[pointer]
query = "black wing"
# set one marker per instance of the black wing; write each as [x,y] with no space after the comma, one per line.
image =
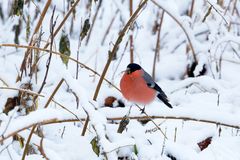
[160,94]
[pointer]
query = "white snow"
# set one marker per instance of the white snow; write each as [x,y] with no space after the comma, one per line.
[203,106]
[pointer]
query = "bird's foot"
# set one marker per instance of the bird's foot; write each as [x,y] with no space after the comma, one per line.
[142,110]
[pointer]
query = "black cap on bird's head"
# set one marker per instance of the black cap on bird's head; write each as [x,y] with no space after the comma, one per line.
[132,67]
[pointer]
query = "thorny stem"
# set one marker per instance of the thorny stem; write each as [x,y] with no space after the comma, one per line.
[114,50]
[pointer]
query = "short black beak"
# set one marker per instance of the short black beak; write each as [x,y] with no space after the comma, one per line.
[127,71]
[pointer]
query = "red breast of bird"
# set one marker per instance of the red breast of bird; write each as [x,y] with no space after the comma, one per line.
[134,88]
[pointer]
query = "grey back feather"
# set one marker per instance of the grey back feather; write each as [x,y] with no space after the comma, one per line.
[160,94]
[150,82]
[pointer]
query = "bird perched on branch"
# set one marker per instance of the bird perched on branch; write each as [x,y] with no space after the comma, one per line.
[139,87]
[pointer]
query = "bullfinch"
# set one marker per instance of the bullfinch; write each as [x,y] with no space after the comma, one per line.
[138,86]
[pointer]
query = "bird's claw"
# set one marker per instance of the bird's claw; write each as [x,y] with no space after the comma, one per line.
[142,110]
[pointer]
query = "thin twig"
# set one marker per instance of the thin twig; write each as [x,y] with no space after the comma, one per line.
[183,28]
[117,43]
[28,141]
[55,120]
[109,27]
[114,50]
[157,48]
[190,13]
[57,53]
[34,127]
[93,21]
[67,110]
[164,135]
[131,35]
[22,90]
[63,21]
[52,26]
[218,12]
[8,123]
[53,93]
[23,65]
[4,83]
[40,148]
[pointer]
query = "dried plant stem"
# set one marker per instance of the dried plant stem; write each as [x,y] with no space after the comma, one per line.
[175,135]
[93,21]
[164,142]
[234,7]
[67,110]
[28,141]
[23,65]
[41,18]
[22,90]
[131,35]
[53,93]
[116,45]
[114,50]
[164,135]
[54,34]
[57,53]
[34,127]
[55,120]
[183,28]
[190,13]
[4,83]
[157,48]
[109,27]
[85,126]
[218,12]
[52,25]
[39,95]
[40,148]
[63,21]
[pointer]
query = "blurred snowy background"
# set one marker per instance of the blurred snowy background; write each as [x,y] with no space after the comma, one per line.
[190,47]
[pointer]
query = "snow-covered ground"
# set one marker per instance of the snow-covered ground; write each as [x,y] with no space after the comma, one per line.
[206,108]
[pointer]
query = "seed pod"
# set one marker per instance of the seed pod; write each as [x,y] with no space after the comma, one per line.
[17,7]
[85,29]
[64,48]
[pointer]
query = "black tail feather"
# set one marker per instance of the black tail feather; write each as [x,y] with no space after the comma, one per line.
[164,99]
